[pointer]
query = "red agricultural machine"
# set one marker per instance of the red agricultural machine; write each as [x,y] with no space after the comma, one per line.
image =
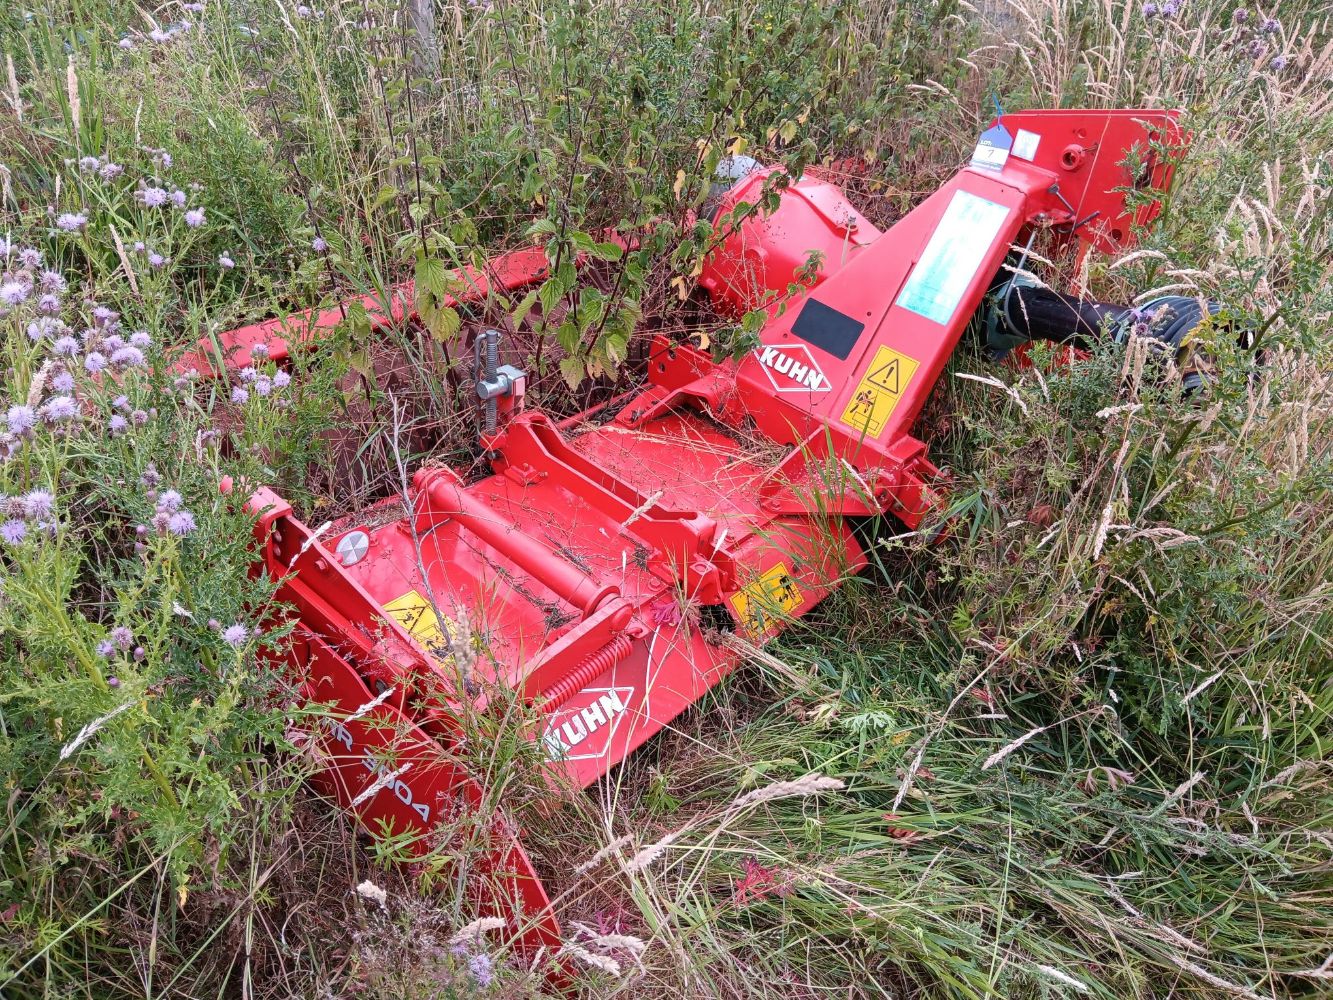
[597,560]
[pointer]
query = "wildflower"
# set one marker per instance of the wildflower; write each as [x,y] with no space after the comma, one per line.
[479,965]
[281,380]
[31,258]
[88,164]
[110,171]
[156,259]
[1270,26]
[170,501]
[127,357]
[71,222]
[94,363]
[181,523]
[1256,48]
[117,425]
[178,198]
[139,246]
[123,403]
[139,417]
[193,8]
[38,504]
[122,636]
[52,281]
[1170,9]
[1278,64]
[235,635]
[65,346]
[159,36]
[239,395]
[247,374]
[1240,15]
[319,244]
[141,339]
[103,316]
[63,382]
[60,409]
[259,352]
[13,531]
[1150,10]
[48,304]
[225,262]
[150,476]
[263,385]
[194,218]
[163,158]
[21,419]
[303,12]
[13,292]
[125,44]
[106,649]
[139,654]
[154,197]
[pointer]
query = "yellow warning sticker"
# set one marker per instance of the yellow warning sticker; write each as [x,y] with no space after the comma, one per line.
[774,595]
[880,390]
[418,617]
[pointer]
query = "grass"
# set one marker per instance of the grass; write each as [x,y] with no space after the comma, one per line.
[1079,747]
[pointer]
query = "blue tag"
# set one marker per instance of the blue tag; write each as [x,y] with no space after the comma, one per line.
[992,150]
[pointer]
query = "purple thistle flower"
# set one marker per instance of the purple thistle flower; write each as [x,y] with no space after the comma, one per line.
[319,244]
[60,409]
[106,649]
[178,198]
[110,171]
[49,304]
[139,654]
[104,316]
[1278,64]
[1170,9]
[139,417]
[13,531]
[65,346]
[123,403]
[1150,10]
[141,339]
[31,258]
[481,969]
[112,343]
[225,262]
[71,222]
[1240,15]
[150,477]
[259,352]
[14,292]
[63,382]
[52,281]
[170,501]
[155,259]
[239,395]
[88,164]
[181,523]
[263,385]
[113,681]
[122,636]
[38,504]
[154,197]
[281,380]
[1256,48]
[139,246]
[21,419]
[247,374]
[1270,26]
[117,425]
[125,44]
[194,218]
[94,362]
[127,357]
[235,635]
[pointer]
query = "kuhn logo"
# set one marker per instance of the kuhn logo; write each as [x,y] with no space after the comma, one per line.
[792,368]
[585,732]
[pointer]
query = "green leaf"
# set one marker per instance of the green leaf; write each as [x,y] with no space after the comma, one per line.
[524,307]
[573,371]
[443,323]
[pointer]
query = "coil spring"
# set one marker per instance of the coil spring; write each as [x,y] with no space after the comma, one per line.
[590,667]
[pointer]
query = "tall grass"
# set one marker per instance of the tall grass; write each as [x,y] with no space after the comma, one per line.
[1079,747]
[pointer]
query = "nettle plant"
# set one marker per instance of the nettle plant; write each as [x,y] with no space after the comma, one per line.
[132,693]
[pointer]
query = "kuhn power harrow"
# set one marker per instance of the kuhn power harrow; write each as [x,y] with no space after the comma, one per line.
[598,561]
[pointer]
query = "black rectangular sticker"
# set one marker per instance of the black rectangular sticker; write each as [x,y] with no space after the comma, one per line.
[826,328]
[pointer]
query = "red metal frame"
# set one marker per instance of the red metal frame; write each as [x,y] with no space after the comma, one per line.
[586,566]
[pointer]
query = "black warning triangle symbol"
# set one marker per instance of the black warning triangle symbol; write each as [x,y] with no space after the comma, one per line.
[887,377]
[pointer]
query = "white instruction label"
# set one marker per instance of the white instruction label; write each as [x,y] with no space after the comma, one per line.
[1025,145]
[951,258]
